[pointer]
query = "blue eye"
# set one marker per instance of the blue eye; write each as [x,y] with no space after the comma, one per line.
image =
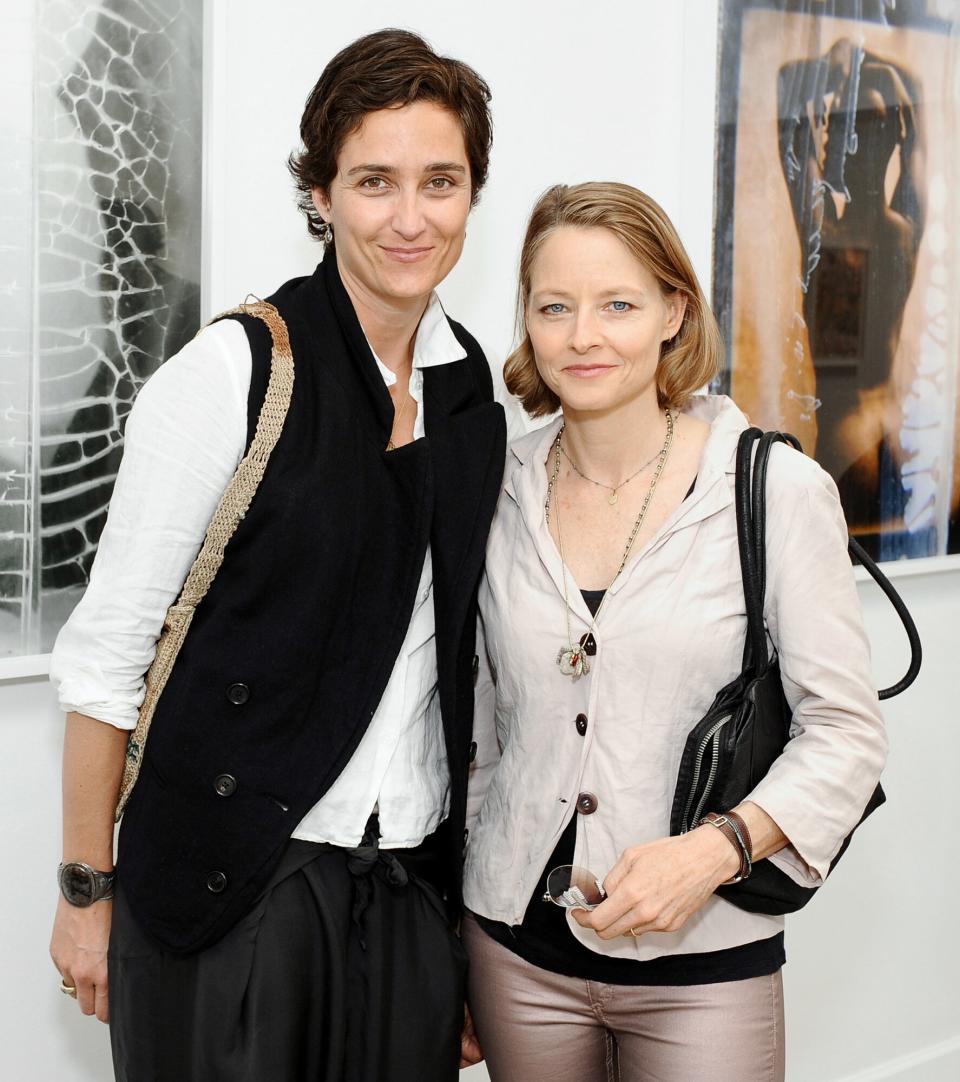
[621,306]
[552,309]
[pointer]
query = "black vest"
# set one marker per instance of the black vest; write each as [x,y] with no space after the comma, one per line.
[290,651]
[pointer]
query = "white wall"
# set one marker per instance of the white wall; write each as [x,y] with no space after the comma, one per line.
[573,100]
[609,91]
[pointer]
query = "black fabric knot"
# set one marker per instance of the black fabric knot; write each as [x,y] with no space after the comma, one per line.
[362,862]
[392,870]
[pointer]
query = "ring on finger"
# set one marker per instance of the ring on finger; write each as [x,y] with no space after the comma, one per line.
[68,989]
[635,932]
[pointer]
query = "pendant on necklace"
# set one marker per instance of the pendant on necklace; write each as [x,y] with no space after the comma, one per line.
[573,661]
[391,446]
[613,498]
[588,644]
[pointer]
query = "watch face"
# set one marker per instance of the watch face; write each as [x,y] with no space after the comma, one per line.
[77,884]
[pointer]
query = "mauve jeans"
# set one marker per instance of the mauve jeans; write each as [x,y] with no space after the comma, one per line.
[537,1026]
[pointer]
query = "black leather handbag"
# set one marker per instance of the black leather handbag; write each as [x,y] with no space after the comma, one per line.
[745,730]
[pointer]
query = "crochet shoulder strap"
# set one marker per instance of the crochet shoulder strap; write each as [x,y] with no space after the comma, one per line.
[232,507]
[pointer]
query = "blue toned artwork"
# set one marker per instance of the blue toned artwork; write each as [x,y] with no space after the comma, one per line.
[836,201]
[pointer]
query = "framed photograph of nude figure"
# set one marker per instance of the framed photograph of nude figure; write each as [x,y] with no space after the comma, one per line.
[837,249]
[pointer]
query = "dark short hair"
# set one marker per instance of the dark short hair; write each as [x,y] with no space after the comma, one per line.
[384,69]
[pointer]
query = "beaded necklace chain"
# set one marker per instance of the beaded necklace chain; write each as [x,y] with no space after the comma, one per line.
[573,659]
[614,490]
[397,414]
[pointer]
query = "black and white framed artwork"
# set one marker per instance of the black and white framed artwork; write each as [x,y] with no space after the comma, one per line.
[100,171]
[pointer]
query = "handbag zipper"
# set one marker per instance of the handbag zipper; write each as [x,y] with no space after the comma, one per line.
[697,764]
[715,762]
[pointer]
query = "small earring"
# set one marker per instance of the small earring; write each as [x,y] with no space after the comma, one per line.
[326,232]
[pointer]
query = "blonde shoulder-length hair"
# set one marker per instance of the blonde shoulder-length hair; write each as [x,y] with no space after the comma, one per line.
[690,359]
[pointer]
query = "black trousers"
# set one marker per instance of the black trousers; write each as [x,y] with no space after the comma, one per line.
[346,970]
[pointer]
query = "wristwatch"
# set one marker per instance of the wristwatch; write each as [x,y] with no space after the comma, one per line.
[82,885]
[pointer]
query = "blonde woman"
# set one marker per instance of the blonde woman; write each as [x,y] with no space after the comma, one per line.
[613,609]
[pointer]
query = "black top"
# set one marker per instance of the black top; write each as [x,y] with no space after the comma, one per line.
[544,939]
[289,653]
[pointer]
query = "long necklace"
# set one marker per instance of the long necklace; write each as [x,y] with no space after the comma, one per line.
[397,414]
[612,489]
[573,659]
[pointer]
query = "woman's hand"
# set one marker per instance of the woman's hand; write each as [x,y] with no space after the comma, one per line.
[469,1045]
[79,951]
[93,757]
[657,887]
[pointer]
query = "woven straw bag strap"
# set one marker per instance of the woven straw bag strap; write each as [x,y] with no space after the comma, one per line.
[243,486]
[233,505]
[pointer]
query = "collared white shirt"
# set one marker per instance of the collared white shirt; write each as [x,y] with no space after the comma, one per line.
[184,440]
[670,635]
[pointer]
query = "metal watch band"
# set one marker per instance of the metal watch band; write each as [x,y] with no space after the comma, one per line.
[102,883]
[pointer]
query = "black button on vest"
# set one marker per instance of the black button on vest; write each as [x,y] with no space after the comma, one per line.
[216,882]
[238,694]
[472,754]
[225,785]
[582,724]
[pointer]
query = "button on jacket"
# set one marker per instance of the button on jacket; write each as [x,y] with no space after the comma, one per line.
[670,635]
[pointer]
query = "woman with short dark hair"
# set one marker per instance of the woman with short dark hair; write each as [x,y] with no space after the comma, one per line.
[614,613]
[291,843]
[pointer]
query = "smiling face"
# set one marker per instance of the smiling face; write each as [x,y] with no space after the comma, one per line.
[399,202]
[596,318]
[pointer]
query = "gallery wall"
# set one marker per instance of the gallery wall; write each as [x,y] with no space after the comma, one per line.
[609,91]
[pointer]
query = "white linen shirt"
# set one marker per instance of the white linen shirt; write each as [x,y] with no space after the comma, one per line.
[670,635]
[184,440]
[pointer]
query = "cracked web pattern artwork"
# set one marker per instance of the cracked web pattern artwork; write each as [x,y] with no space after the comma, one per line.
[99,273]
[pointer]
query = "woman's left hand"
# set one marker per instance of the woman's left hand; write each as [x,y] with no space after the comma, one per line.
[470,1052]
[657,887]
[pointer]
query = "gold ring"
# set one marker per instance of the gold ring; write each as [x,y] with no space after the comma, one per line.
[68,989]
[635,933]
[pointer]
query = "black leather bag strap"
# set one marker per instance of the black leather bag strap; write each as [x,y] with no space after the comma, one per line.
[759,498]
[751,534]
[751,560]
[861,556]
[750,501]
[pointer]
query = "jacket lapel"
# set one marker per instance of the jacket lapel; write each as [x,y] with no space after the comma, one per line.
[467,439]
[353,363]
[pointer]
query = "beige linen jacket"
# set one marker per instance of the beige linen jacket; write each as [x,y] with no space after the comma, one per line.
[670,636]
